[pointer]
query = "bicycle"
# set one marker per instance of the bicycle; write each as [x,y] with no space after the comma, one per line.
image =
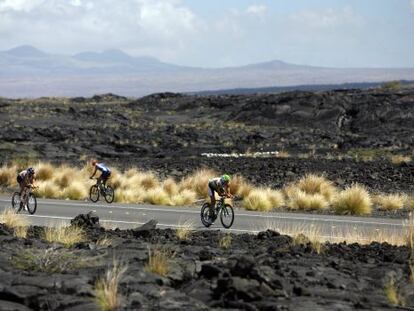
[30,201]
[223,209]
[100,189]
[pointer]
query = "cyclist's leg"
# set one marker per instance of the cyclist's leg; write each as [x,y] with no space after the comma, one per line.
[211,194]
[105,177]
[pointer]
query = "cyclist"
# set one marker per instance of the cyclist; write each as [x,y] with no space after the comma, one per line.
[25,178]
[105,172]
[221,186]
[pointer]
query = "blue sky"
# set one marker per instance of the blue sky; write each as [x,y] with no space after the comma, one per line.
[212,33]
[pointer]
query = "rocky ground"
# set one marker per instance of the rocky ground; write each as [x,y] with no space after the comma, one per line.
[346,134]
[267,271]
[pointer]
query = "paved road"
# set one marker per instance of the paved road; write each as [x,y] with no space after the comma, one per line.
[52,212]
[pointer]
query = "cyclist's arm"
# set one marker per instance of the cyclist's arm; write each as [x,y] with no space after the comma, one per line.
[94,172]
[227,191]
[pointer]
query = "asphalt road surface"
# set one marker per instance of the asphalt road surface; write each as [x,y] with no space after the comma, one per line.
[54,212]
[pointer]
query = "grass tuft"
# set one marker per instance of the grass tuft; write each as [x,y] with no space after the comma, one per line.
[354,200]
[66,235]
[184,230]
[315,184]
[48,260]
[198,182]
[392,294]
[107,294]
[399,159]
[391,202]
[225,241]
[75,191]
[44,171]
[8,175]
[158,261]
[257,200]
[15,221]
[157,196]
[305,201]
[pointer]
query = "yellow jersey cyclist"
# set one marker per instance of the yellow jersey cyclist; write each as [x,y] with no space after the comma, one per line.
[221,186]
[105,172]
[25,178]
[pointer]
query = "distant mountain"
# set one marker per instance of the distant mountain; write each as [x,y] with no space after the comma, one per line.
[26,51]
[26,71]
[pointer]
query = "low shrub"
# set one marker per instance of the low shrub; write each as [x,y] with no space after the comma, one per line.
[391,202]
[305,201]
[354,200]
[258,200]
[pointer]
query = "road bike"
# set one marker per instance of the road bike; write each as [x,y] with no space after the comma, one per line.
[30,202]
[223,209]
[101,189]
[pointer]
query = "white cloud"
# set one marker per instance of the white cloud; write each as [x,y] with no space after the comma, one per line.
[77,25]
[327,18]
[412,4]
[19,5]
[256,9]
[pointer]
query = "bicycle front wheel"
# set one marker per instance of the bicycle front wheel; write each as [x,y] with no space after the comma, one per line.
[227,216]
[31,203]
[109,194]
[16,202]
[205,219]
[94,193]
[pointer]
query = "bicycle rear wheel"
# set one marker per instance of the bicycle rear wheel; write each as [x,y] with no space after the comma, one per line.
[16,202]
[205,219]
[94,193]
[109,194]
[31,203]
[227,216]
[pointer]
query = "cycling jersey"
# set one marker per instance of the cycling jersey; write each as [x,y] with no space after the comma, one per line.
[104,170]
[24,176]
[215,184]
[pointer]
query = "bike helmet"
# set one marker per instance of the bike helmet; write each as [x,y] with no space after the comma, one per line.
[30,171]
[225,178]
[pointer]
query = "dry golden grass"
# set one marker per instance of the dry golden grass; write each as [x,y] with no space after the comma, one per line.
[104,241]
[75,191]
[8,175]
[158,261]
[15,221]
[275,197]
[283,154]
[107,294]
[239,186]
[198,182]
[309,235]
[348,235]
[48,189]
[391,292]
[184,230]
[399,159]
[301,200]
[66,235]
[225,241]
[170,186]
[391,202]
[185,197]
[157,196]
[354,200]
[44,171]
[258,200]
[315,184]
